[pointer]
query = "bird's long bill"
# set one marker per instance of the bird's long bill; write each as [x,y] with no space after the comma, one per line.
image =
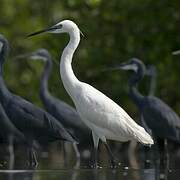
[23,56]
[122,66]
[42,31]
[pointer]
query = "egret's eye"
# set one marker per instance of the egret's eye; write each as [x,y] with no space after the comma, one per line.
[1,45]
[58,26]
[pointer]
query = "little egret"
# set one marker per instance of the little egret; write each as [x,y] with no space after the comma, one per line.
[105,118]
[158,116]
[63,112]
[32,121]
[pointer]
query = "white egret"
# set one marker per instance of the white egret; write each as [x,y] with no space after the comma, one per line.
[104,117]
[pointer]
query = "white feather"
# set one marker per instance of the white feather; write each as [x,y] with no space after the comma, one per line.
[106,119]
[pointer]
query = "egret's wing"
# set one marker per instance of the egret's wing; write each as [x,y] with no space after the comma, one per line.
[112,120]
[103,112]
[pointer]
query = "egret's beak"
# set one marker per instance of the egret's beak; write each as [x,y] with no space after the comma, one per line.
[81,33]
[43,31]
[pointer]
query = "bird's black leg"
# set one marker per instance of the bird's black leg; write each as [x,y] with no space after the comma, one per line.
[147,162]
[112,158]
[166,154]
[161,153]
[64,153]
[11,152]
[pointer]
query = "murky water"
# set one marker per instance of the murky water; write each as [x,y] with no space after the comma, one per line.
[55,165]
[89,174]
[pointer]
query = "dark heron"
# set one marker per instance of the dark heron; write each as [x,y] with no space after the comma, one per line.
[159,117]
[32,121]
[151,72]
[63,112]
[9,134]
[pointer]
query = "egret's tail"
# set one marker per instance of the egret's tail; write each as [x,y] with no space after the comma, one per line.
[142,136]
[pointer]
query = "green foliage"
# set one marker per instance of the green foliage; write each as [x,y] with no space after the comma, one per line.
[114,31]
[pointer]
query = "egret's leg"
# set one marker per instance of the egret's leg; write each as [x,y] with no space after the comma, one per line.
[11,153]
[96,142]
[77,155]
[112,158]
[32,157]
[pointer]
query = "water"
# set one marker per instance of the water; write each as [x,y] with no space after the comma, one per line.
[88,174]
[53,165]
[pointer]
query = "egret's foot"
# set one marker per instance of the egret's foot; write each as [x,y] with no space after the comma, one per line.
[33,165]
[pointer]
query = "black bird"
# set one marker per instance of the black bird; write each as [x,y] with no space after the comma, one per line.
[32,121]
[63,112]
[9,134]
[158,116]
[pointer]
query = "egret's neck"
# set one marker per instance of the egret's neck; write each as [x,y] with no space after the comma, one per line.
[44,79]
[70,81]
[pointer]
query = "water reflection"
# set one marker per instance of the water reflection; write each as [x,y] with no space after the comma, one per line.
[88,174]
[52,165]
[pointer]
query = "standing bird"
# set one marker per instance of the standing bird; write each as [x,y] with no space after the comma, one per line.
[33,122]
[63,112]
[158,116]
[9,134]
[104,117]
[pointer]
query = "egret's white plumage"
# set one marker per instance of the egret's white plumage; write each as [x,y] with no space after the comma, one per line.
[105,118]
